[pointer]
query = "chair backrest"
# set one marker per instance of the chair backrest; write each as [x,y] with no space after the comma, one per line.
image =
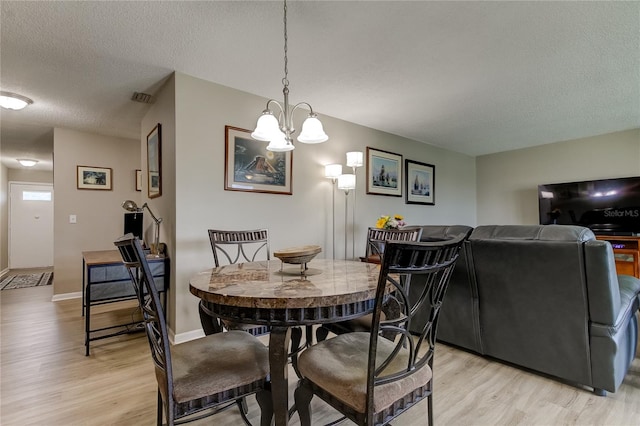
[459,321]
[435,261]
[155,324]
[239,246]
[376,238]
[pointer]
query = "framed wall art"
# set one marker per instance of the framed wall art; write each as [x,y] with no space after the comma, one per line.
[138,180]
[420,183]
[154,162]
[250,167]
[89,177]
[384,173]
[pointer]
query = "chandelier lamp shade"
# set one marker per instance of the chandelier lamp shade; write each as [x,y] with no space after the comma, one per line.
[278,131]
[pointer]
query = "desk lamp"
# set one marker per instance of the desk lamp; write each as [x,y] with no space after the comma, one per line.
[131,206]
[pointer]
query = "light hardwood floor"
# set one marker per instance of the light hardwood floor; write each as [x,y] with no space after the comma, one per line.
[47,380]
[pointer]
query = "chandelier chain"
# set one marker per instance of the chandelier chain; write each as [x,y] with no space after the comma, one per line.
[278,131]
[285,80]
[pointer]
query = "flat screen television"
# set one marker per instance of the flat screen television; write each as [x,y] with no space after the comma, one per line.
[607,206]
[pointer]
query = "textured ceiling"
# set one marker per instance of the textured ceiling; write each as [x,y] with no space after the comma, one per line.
[472,77]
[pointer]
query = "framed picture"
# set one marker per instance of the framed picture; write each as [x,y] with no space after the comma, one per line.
[384,173]
[138,180]
[420,182]
[154,162]
[250,167]
[90,177]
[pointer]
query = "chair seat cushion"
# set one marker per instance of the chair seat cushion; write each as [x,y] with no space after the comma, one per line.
[216,363]
[339,366]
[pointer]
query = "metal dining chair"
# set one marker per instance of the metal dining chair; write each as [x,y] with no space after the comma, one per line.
[372,379]
[235,247]
[376,240]
[203,376]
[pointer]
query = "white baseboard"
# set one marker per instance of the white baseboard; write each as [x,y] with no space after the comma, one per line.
[66,296]
[4,271]
[176,339]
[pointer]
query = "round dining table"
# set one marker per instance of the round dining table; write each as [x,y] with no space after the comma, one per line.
[282,296]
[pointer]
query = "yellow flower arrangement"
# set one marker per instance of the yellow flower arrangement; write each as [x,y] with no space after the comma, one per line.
[390,222]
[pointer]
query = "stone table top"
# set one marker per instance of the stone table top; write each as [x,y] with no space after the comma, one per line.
[265,285]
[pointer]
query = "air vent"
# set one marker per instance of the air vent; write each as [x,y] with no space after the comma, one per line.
[142,98]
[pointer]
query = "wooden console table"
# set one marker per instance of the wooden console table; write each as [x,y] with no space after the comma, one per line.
[627,253]
[106,280]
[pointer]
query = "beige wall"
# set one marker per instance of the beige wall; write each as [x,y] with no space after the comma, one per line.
[100,217]
[202,109]
[507,182]
[4,218]
[163,112]
[26,175]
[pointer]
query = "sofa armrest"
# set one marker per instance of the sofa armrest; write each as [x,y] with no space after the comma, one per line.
[608,293]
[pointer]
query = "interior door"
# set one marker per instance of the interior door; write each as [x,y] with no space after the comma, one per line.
[30,225]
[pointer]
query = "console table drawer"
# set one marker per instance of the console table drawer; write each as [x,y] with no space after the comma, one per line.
[113,281]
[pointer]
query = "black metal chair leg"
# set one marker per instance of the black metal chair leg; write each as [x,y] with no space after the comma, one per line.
[296,338]
[321,334]
[159,413]
[265,402]
[302,397]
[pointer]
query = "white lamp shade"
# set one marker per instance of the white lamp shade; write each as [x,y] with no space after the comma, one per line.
[279,143]
[347,182]
[332,171]
[355,159]
[312,131]
[266,128]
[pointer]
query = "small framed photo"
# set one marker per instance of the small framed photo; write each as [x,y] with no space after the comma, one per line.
[138,180]
[154,162]
[250,167]
[384,173]
[90,177]
[421,178]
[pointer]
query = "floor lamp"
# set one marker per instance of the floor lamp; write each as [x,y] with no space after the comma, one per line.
[332,171]
[346,183]
[355,159]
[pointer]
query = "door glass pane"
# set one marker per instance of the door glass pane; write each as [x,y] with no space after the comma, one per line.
[36,195]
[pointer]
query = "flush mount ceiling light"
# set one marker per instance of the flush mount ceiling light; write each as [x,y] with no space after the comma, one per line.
[278,131]
[27,162]
[13,101]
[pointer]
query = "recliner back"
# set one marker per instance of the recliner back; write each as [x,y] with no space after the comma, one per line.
[534,296]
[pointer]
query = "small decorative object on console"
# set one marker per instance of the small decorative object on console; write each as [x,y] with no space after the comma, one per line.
[390,222]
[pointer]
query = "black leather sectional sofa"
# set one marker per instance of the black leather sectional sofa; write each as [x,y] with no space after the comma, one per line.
[546,298]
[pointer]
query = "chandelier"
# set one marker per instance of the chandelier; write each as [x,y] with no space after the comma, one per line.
[278,131]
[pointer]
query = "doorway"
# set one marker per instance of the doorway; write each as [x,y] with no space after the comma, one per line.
[30,225]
